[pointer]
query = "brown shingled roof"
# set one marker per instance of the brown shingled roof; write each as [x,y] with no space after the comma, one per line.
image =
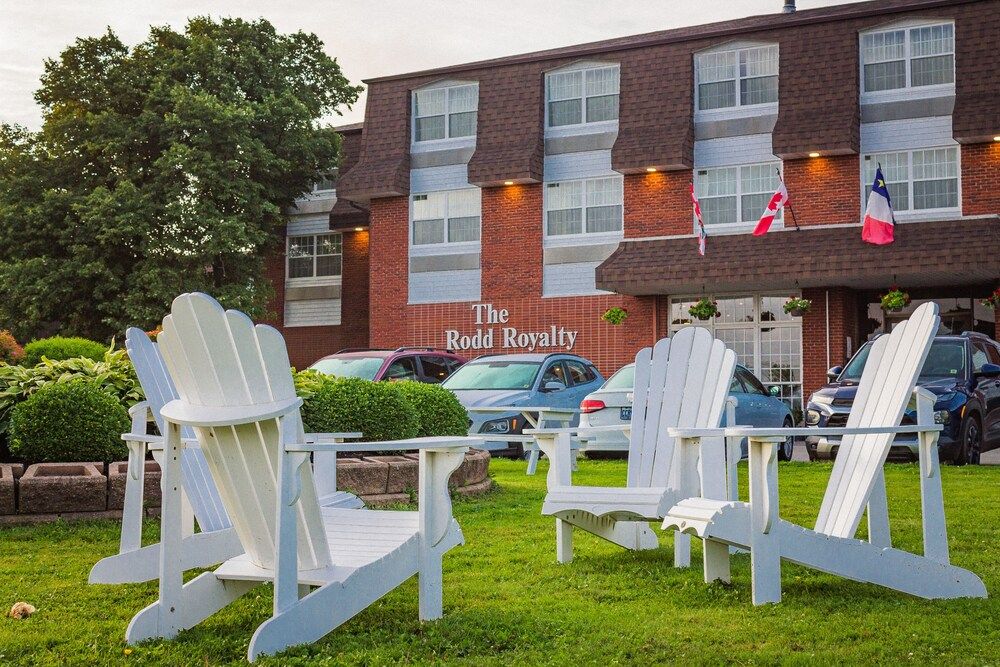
[946,252]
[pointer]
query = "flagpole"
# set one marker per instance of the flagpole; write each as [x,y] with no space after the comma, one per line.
[892,211]
[788,204]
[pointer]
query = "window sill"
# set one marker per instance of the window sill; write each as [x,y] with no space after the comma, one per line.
[563,240]
[600,127]
[432,145]
[925,215]
[314,282]
[444,249]
[740,228]
[912,93]
[731,113]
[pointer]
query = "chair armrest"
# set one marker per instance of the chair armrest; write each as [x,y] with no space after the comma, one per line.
[155,442]
[781,433]
[411,444]
[140,409]
[579,431]
[697,433]
[321,438]
[207,416]
[433,495]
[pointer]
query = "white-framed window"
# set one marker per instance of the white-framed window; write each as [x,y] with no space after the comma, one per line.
[736,78]
[314,256]
[581,96]
[920,180]
[445,112]
[446,217]
[911,57]
[738,195]
[589,206]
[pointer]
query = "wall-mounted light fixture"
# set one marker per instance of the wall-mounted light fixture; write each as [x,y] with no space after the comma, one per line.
[359,229]
[651,169]
[814,154]
[508,182]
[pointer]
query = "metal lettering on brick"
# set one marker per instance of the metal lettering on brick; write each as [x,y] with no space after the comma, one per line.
[493,331]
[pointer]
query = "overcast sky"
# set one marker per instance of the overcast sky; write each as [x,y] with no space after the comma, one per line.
[369,39]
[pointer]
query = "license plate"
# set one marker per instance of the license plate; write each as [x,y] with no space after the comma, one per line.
[627,414]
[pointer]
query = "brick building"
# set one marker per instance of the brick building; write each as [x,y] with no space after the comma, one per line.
[555,185]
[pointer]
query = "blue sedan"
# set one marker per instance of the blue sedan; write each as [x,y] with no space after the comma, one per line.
[756,406]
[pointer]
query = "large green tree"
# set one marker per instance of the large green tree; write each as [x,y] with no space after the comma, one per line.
[160,169]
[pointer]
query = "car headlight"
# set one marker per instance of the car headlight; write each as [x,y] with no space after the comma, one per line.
[821,399]
[812,417]
[942,416]
[500,426]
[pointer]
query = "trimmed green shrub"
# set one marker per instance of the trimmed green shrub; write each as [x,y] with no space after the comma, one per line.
[379,410]
[58,348]
[114,375]
[10,351]
[438,409]
[69,421]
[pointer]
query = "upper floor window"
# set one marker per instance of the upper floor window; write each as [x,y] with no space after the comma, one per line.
[923,180]
[446,112]
[736,195]
[446,217]
[592,206]
[314,256]
[908,57]
[581,96]
[737,78]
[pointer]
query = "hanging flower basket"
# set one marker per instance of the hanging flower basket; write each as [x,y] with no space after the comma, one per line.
[797,307]
[895,300]
[614,315]
[993,300]
[704,309]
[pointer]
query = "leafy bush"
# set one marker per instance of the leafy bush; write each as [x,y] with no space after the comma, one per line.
[58,348]
[10,351]
[438,410]
[69,421]
[114,376]
[379,410]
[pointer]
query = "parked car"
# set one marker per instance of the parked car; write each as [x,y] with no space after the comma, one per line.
[423,364]
[551,380]
[611,405]
[962,370]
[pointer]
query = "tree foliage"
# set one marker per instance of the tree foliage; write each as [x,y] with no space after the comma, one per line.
[160,169]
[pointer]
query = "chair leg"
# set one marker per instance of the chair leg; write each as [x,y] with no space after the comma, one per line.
[716,562]
[564,541]
[533,461]
[430,581]
[682,549]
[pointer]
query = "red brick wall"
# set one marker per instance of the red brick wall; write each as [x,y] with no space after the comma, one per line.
[824,190]
[981,178]
[843,324]
[306,344]
[511,279]
[658,204]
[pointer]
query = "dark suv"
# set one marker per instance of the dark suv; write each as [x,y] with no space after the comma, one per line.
[962,370]
[423,364]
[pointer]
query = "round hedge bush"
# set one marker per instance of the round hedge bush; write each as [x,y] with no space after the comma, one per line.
[438,409]
[69,421]
[58,348]
[379,410]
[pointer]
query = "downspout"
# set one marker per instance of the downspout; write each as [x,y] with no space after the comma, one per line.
[656,318]
[827,313]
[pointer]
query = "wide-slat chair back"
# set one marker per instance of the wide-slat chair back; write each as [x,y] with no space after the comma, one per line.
[683,381]
[890,374]
[159,390]
[219,358]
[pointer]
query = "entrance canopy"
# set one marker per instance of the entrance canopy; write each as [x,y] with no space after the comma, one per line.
[926,254]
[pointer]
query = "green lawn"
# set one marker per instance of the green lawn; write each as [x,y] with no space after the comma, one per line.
[508,602]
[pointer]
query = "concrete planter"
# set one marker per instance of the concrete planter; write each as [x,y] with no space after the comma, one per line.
[382,480]
[402,473]
[118,478]
[9,472]
[52,488]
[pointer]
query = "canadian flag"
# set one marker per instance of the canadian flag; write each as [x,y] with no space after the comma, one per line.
[702,234]
[778,200]
[879,228]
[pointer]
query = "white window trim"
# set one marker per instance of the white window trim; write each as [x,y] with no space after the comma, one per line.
[313,280]
[583,127]
[447,141]
[446,247]
[583,238]
[738,110]
[913,215]
[908,91]
[738,227]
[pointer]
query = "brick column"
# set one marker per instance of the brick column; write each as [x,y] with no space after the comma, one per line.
[388,273]
[843,324]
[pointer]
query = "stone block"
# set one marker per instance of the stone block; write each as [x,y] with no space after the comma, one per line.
[362,477]
[402,472]
[118,479]
[9,472]
[49,488]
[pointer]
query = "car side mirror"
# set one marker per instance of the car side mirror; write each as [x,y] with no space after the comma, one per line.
[553,385]
[834,372]
[989,371]
[774,390]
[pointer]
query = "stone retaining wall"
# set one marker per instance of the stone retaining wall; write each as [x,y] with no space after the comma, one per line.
[70,491]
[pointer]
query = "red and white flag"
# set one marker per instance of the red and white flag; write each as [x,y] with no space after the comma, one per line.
[702,235]
[778,200]
[879,228]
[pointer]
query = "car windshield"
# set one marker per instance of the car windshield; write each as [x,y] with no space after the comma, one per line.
[494,375]
[946,359]
[350,366]
[623,379]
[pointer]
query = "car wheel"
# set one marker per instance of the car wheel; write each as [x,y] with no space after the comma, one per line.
[785,449]
[972,443]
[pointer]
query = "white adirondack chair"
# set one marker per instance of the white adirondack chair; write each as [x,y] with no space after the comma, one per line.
[327,564]
[857,481]
[681,381]
[217,540]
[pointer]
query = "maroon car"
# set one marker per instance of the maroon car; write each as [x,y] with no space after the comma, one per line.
[423,364]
